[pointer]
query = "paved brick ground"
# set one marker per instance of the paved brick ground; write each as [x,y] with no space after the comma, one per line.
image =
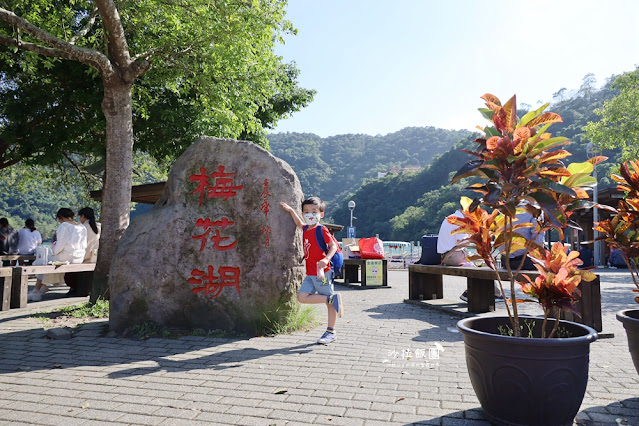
[363,378]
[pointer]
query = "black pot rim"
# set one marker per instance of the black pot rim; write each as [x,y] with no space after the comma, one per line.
[623,316]
[464,327]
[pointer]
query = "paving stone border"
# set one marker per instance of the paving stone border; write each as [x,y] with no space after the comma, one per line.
[378,372]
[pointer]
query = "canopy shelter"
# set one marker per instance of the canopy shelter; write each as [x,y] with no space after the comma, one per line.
[147,194]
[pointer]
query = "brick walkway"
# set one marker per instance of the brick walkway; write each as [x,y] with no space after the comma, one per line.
[363,378]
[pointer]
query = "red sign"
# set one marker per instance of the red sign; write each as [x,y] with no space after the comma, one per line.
[217,238]
[221,185]
[266,231]
[266,207]
[211,285]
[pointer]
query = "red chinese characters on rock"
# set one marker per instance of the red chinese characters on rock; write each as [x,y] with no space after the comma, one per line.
[266,231]
[265,207]
[221,185]
[217,238]
[211,285]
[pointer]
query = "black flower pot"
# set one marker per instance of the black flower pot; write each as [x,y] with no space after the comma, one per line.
[527,381]
[630,320]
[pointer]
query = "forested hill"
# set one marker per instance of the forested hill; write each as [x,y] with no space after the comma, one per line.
[334,167]
[406,206]
[401,206]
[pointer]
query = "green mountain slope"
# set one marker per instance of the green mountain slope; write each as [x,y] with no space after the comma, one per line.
[405,207]
[335,166]
[400,206]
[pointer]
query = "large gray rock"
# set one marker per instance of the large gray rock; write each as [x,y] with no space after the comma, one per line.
[219,216]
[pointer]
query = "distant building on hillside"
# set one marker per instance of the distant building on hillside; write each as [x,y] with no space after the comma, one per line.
[411,169]
[396,171]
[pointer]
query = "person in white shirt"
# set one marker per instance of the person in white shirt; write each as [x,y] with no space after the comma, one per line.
[29,238]
[94,229]
[70,246]
[447,244]
[530,233]
[87,218]
[451,254]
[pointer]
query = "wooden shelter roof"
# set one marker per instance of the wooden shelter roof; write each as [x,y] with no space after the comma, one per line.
[149,194]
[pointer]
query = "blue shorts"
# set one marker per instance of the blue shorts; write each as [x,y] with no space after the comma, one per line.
[312,285]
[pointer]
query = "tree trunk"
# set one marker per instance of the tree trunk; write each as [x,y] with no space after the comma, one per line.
[116,194]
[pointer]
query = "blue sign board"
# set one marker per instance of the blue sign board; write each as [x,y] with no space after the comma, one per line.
[350,231]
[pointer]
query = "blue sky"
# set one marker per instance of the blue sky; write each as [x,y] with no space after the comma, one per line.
[379,66]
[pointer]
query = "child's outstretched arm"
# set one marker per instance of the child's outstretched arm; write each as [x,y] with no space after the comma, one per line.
[296,218]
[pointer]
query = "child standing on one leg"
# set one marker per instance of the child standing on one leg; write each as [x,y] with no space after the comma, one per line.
[315,288]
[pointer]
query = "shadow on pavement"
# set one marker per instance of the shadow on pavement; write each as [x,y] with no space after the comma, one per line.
[611,414]
[442,326]
[17,346]
[617,298]
[15,317]
[212,361]
[472,417]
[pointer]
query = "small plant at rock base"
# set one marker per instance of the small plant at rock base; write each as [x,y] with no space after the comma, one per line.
[215,333]
[520,169]
[99,309]
[86,310]
[147,329]
[279,322]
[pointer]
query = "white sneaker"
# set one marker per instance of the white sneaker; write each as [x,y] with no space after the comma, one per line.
[44,289]
[34,296]
[326,338]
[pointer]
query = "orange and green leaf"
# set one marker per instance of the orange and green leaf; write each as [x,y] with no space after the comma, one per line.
[545,118]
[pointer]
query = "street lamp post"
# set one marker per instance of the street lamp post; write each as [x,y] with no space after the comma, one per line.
[351,228]
[592,151]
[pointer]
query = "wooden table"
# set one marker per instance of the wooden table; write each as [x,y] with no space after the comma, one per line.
[352,267]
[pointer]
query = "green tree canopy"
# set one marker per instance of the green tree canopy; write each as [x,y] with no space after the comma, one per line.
[212,61]
[619,123]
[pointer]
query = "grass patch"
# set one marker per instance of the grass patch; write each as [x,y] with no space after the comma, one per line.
[149,329]
[300,318]
[85,310]
[74,315]
[274,322]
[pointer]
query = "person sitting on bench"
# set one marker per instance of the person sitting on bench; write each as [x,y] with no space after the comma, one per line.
[9,240]
[451,254]
[530,234]
[70,246]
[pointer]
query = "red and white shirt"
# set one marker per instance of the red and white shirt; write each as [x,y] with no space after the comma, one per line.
[312,251]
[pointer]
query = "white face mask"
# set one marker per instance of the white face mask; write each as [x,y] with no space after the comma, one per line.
[312,218]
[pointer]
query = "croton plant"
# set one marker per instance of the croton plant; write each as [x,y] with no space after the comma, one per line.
[621,230]
[519,168]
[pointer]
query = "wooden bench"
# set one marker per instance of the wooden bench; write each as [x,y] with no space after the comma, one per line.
[16,288]
[19,257]
[351,268]
[5,287]
[425,282]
